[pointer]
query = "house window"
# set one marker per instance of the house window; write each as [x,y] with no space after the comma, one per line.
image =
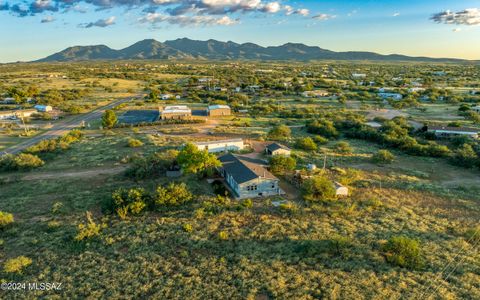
[252,188]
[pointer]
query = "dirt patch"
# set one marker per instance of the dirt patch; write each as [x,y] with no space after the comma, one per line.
[385,113]
[76,174]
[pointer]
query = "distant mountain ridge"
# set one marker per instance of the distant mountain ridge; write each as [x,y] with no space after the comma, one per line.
[216,50]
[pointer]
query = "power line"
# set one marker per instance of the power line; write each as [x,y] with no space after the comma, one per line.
[424,293]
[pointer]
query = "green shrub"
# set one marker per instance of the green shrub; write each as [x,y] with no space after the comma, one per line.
[151,166]
[27,161]
[403,252]
[288,207]
[20,162]
[306,144]
[343,147]
[279,164]
[172,195]
[53,145]
[17,265]
[318,188]
[6,219]
[320,140]
[188,227]
[383,157]
[247,203]
[223,235]
[89,229]
[323,127]
[280,133]
[132,201]
[134,143]
[464,156]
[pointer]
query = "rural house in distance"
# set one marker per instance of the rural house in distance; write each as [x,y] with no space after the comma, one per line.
[448,132]
[277,149]
[219,110]
[178,112]
[248,178]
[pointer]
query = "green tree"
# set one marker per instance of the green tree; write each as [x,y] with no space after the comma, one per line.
[172,195]
[280,132]
[465,156]
[318,188]
[195,161]
[343,147]
[279,164]
[383,157]
[306,143]
[403,252]
[109,119]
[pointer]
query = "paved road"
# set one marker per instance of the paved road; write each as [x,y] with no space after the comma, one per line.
[62,127]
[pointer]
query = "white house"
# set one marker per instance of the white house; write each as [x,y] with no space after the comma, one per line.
[8,101]
[43,108]
[416,90]
[394,96]
[447,132]
[476,109]
[176,112]
[221,146]
[359,75]
[166,96]
[15,114]
[315,93]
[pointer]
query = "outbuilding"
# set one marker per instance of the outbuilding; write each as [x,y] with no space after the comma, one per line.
[340,190]
[179,112]
[448,132]
[43,108]
[277,149]
[219,110]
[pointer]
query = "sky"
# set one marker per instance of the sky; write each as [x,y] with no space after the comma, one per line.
[33,29]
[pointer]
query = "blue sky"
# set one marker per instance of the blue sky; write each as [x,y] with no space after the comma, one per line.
[32,29]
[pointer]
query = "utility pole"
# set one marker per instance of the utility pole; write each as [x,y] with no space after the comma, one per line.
[24,127]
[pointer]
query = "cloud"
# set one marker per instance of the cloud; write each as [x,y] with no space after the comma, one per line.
[181,12]
[48,19]
[100,23]
[396,14]
[323,17]
[469,16]
[291,11]
[155,18]
[457,29]
[271,8]
[39,6]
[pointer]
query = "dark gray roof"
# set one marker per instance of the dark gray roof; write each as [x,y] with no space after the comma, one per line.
[456,129]
[276,146]
[244,169]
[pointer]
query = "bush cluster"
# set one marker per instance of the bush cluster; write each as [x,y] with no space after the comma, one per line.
[136,200]
[54,145]
[403,252]
[6,219]
[20,162]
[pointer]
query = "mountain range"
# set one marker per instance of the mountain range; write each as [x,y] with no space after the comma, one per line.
[216,50]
